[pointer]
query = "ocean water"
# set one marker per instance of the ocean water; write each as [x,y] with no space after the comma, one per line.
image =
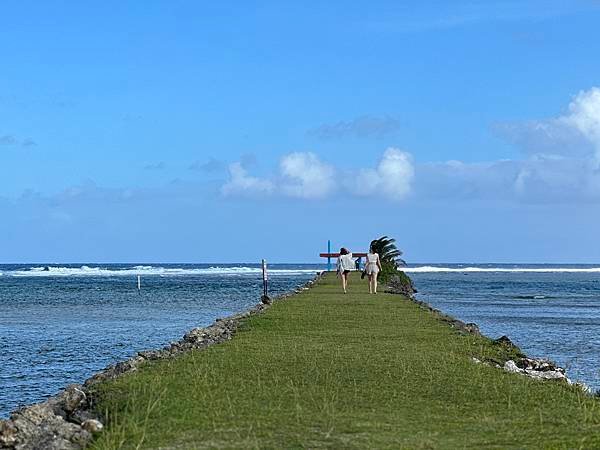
[61,325]
[550,311]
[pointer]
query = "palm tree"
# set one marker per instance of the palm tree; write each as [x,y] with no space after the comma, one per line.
[388,252]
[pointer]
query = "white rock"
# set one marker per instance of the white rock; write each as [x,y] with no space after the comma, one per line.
[511,366]
[549,375]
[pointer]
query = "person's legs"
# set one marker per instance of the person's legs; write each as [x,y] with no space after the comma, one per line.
[375,282]
[344,280]
[370,283]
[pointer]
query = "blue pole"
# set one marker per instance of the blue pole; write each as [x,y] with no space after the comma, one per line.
[329,257]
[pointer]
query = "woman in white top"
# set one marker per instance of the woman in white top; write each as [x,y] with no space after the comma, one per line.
[345,264]
[372,268]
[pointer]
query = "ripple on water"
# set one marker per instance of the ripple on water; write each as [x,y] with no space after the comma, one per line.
[60,330]
[555,315]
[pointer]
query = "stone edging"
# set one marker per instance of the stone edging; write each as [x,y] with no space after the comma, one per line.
[69,420]
[536,368]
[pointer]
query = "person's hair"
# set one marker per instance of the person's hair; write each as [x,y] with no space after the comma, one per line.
[372,246]
[344,251]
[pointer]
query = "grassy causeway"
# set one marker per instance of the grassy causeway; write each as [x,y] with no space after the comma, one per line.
[323,369]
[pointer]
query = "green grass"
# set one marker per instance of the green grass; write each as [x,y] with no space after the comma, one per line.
[323,369]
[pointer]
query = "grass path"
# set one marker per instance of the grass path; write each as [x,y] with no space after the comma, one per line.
[323,369]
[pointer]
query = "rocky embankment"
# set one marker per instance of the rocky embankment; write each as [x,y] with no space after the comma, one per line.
[537,368]
[69,420]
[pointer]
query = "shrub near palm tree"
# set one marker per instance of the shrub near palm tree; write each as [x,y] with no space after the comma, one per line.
[389,255]
[397,281]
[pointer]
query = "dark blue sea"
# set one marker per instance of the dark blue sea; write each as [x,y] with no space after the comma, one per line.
[61,325]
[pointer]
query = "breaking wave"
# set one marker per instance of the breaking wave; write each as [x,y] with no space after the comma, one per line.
[49,271]
[431,269]
[84,270]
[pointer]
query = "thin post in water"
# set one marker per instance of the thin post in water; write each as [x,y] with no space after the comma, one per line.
[139,282]
[265,297]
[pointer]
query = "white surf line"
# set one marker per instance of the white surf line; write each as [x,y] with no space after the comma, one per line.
[431,269]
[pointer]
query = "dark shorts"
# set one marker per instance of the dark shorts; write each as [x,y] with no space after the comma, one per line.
[346,272]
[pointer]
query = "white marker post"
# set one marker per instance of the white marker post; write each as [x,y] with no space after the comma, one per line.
[139,282]
[265,297]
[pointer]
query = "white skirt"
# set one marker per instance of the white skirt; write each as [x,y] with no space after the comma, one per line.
[372,269]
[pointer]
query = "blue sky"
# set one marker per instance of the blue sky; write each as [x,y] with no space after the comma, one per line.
[187,132]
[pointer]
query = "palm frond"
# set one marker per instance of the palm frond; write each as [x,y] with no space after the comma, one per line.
[386,247]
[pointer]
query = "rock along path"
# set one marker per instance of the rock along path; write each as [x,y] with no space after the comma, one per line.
[324,369]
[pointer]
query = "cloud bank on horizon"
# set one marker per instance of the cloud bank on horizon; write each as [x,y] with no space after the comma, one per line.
[206,137]
[304,175]
[561,162]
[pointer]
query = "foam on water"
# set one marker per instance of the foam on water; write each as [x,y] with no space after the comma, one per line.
[60,325]
[147,270]
[59,271]
[435,269]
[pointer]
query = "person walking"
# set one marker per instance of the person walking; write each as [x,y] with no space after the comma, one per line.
[372,268]
[345,264]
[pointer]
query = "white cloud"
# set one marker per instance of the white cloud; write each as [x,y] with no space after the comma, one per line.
[553,178]
[240,183]
[551,137]
[536,179]
[392,178]
[563,155]
[574,134]
[584,116]
[304,175]
[561,164]
[396,173]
